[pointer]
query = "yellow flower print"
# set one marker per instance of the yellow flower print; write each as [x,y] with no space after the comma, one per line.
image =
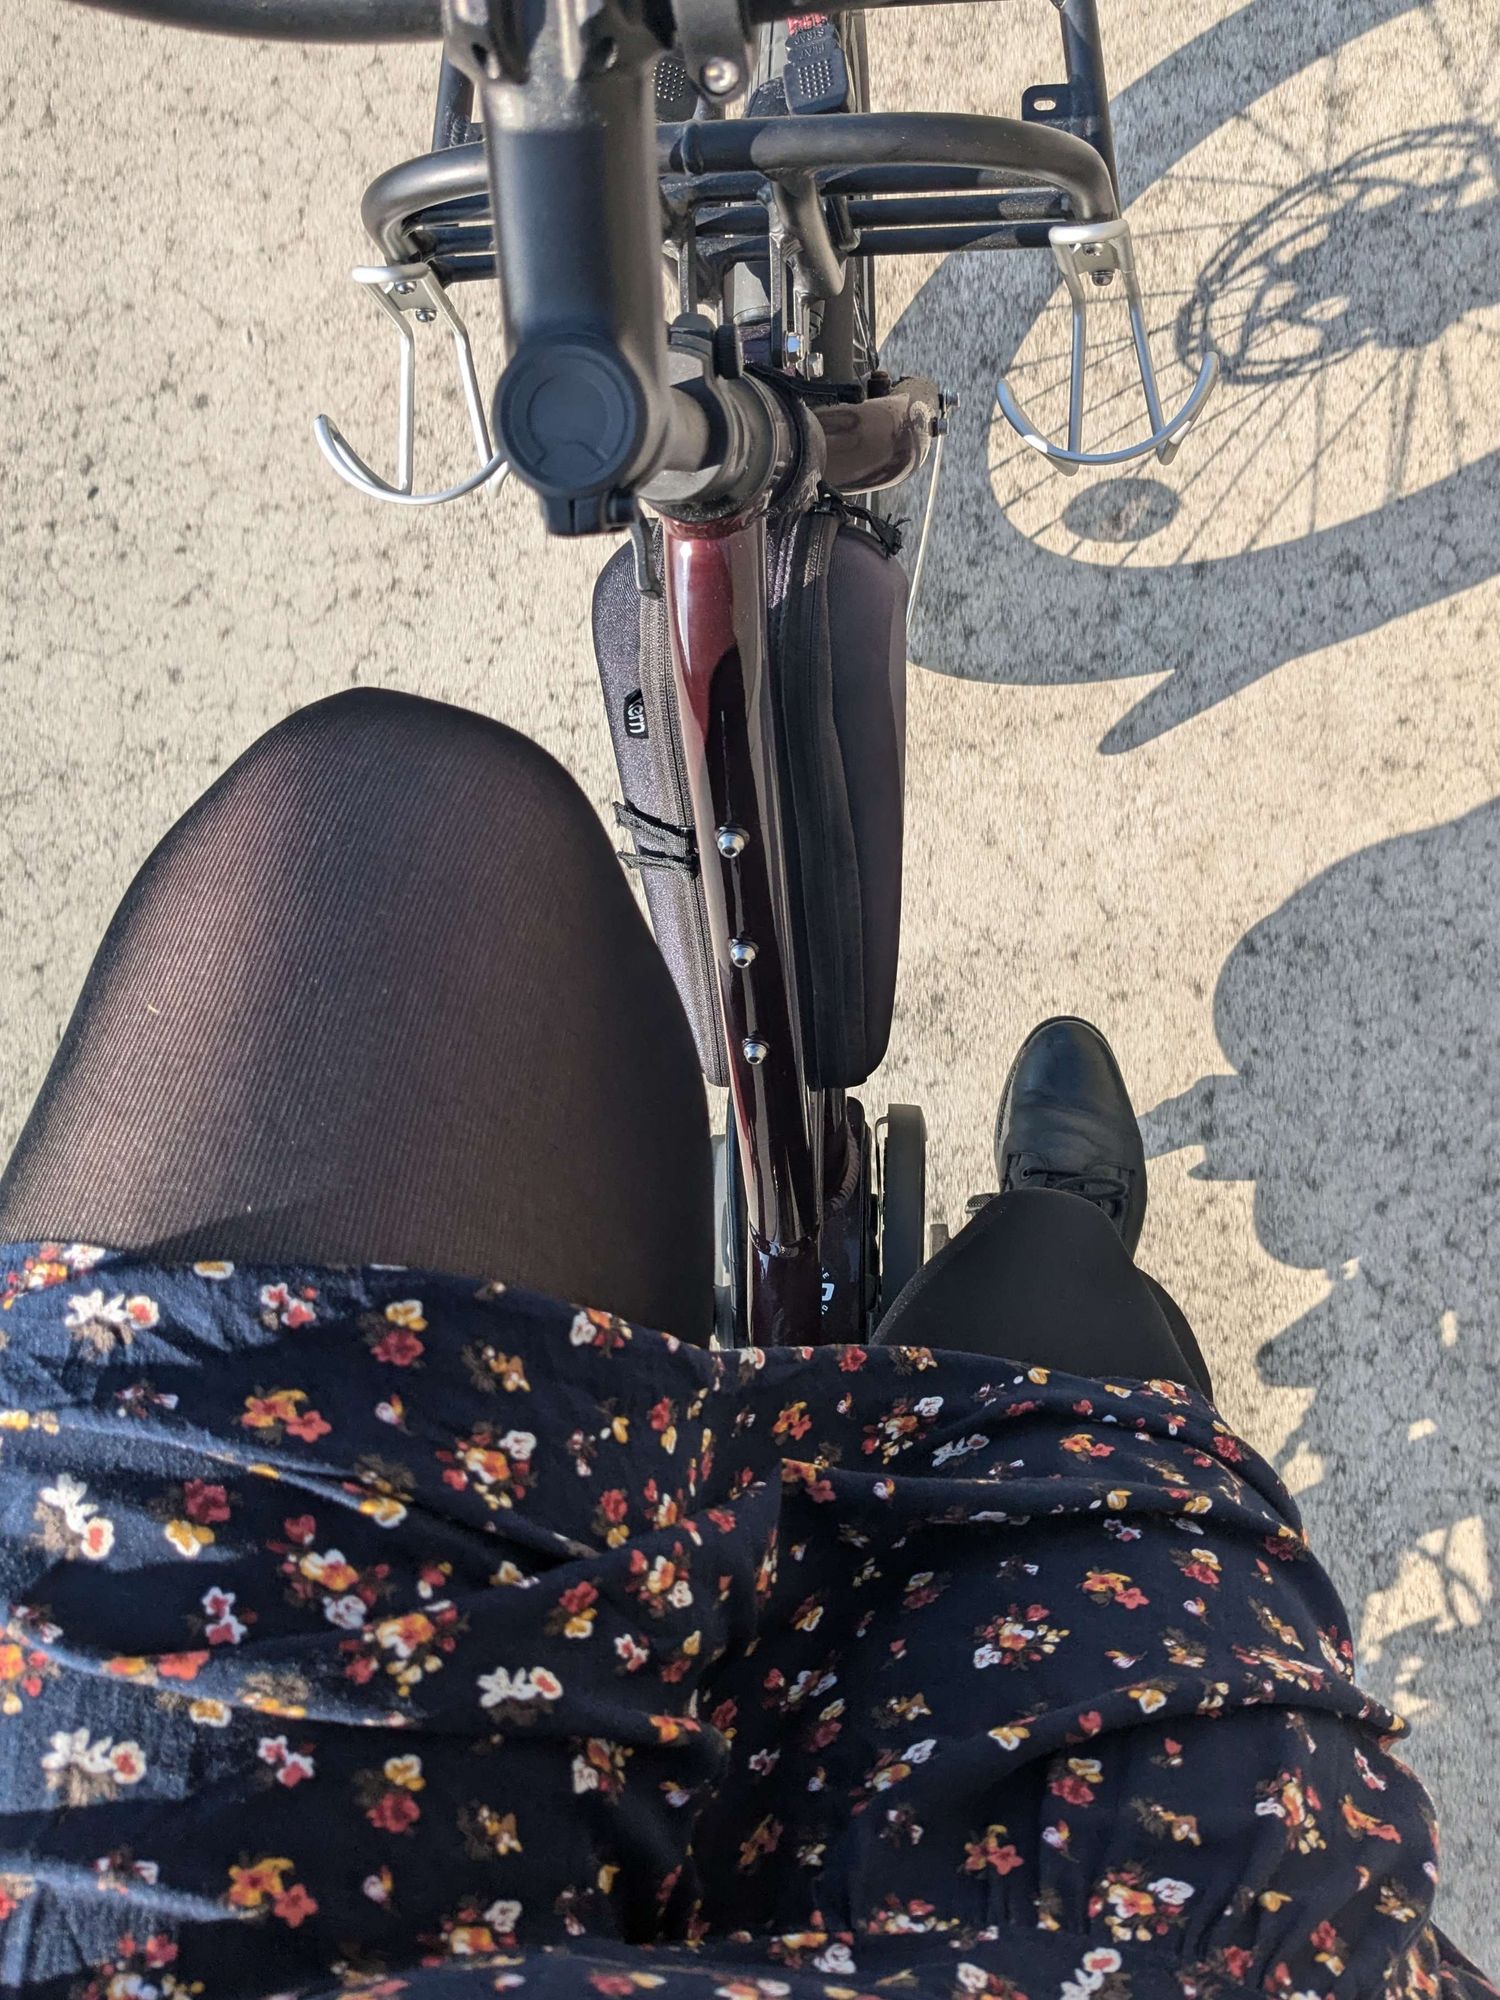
[188,1537]
[1010,1735]
[250,1887]
[407,1313]
[210,1714]
[405,1772]
[1148,1696]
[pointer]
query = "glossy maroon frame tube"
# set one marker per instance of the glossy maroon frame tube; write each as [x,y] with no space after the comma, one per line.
[715,581]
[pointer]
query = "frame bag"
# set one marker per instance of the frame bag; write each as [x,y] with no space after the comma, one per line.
[837,615]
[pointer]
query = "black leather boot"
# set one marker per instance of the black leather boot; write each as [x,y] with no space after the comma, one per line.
[1066,1122]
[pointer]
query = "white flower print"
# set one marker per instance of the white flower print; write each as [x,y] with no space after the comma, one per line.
[525,1684]
[85,1769]
[66,1495]
[959,1448]
[348,1613]
[1170,1891]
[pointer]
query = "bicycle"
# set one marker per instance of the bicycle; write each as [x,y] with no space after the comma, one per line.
[751,637]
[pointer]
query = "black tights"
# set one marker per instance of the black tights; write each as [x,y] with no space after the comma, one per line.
[383,996]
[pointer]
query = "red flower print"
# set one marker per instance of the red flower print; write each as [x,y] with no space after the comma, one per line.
[1237,1960]
[579,1597]
[294,1906]
[1074,1790]
[1358,1821]
[394,1812]
[613,1983]
[308,1426]
[280,1305]
[159,1951]
[204,1503]
[1083,1444]
[399,1348]
[180,1666]
[852,1359]
[613,1505]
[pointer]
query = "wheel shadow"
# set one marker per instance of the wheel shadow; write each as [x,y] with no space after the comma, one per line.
[1385,249]
[1362,1024]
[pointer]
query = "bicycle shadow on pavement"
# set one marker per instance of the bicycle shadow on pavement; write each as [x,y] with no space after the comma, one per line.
[1386,248]
[1363,1029]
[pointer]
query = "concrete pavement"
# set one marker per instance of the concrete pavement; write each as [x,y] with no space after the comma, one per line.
[1210,754]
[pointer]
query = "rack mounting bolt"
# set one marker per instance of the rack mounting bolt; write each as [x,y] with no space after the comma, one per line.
[742,953]
[731,841]
[754,1050]
[721,76]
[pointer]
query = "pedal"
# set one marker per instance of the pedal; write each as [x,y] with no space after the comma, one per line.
[816,73]
[676,93]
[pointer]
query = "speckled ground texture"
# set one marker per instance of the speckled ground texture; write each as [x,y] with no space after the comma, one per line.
[1210,754]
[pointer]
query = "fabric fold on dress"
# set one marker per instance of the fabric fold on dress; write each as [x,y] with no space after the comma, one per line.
[388,1631]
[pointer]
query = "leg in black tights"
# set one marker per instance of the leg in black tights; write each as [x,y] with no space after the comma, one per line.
[1043,1278]
[383,995]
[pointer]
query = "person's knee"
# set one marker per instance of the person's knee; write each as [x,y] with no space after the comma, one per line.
[396,757]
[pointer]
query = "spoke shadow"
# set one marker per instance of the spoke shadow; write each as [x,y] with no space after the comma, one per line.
[1387,249]
[1362,1023]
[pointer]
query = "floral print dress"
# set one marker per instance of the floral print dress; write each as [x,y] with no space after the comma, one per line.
[383,1632]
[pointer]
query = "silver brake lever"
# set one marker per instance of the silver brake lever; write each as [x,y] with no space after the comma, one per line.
[1089,254]
[408,292]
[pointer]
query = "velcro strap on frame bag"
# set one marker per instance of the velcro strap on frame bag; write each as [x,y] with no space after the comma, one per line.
[836,598]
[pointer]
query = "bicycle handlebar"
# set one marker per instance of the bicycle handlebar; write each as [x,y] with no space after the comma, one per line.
[291,20]
[590,410]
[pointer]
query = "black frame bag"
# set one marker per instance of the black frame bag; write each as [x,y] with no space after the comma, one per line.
[837,603]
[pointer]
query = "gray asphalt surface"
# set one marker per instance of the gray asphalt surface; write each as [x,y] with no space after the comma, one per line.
[1210,754]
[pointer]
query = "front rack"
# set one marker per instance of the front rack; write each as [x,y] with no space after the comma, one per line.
[790,199]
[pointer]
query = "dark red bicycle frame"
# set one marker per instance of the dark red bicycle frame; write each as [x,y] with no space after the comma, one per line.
[794,1141]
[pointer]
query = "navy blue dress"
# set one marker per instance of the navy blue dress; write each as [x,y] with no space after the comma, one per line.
[390,1633]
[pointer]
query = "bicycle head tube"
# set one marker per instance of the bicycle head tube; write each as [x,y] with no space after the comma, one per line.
[583,410]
